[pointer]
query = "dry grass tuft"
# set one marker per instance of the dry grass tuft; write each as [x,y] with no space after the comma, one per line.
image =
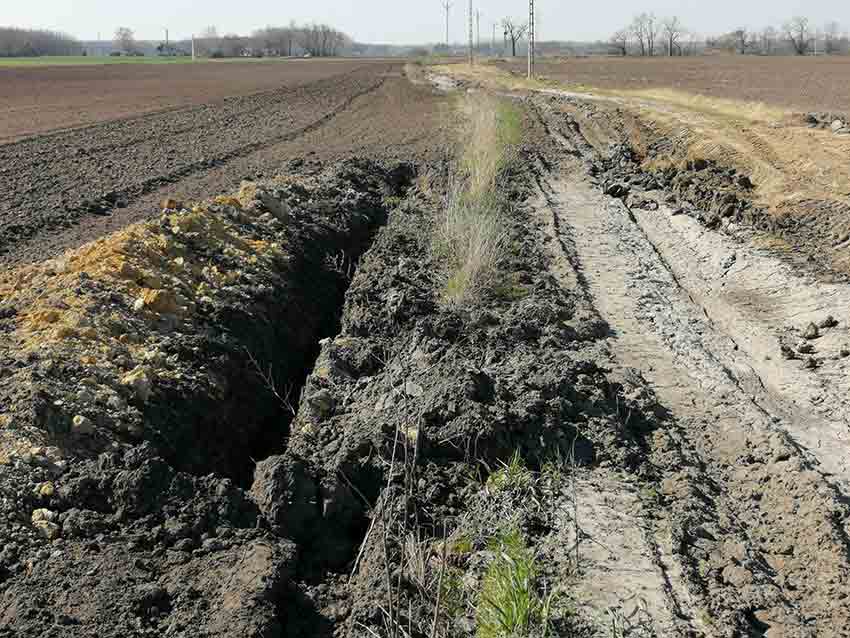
[470,237]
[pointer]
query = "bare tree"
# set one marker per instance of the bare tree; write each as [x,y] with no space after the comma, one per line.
[645,29]
[691,43]
[514,31]
[124,40]
[620,42]
[320,40]
[638,30]
[832,37]
[673,31]
[209,43]
[798,33]
[742,40]
[653,28]
[768,40]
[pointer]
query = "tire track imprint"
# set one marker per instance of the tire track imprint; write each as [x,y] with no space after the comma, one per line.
[737,462]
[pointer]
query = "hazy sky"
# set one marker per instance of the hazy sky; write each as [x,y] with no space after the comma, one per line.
[400,21]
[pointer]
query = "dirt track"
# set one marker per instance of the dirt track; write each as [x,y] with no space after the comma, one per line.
[43,99]
[69,187]
[751,433]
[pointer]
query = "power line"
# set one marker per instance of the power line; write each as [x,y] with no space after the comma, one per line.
[471,52]
[447,6]
[531,32]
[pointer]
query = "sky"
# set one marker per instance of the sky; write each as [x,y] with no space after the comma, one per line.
[401,21]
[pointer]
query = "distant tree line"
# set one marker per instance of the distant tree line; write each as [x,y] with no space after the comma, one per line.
[648,35]
[317,40]
[16,43]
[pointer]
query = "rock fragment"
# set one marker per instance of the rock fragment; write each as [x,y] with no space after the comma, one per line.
[82,426]
[811,332]
[829,322]
[139,381]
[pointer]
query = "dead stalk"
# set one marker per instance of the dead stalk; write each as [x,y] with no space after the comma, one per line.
[439,587]
[575,498]
[269,382]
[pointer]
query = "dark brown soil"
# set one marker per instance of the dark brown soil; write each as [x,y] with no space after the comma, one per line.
[39,100]
[154,543]
[814,84]
[70,187]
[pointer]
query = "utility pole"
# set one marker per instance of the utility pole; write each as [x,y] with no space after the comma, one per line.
[531,29]
[166,39]
[447,6]
[193,47]
[471,43]
[478,31]
[493,43]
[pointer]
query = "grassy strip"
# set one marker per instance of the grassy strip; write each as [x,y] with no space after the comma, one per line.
[509,604]
[471,237]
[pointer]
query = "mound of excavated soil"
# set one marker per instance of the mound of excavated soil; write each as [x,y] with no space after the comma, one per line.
[139,378]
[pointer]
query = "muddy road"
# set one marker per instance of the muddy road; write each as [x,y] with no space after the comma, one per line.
[746,354]
[70,187]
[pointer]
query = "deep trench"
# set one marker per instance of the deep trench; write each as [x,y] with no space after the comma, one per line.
[271,346]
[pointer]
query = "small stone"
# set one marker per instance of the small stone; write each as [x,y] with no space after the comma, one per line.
[212,545]
[45,490]
[48,530]
[836,126]
[139,381]
[811,332]
[82,425]
[829,322]
[171,204]
[139,305]
[413,389]
[115,402]
[811,364]
[617,190]
[806,348]
[737,576]
[322,403]
[788,352]
[745,182]
[43,514]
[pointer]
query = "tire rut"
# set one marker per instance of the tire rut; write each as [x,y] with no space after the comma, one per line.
[732,476]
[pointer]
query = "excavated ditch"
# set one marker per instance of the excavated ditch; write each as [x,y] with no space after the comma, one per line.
[120,476]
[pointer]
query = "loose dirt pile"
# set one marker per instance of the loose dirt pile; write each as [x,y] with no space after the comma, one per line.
[140,379]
